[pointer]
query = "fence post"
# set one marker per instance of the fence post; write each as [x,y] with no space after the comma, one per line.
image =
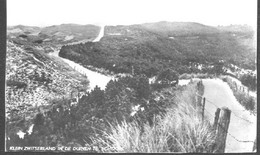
[203,108]
[216,118]
[222,129]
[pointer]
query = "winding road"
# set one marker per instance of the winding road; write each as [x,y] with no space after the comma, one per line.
[95,78]
[242,125]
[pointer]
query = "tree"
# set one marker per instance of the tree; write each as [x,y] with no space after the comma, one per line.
[168,77]
[143,87]
[249,81]
[218,68]
[97,101]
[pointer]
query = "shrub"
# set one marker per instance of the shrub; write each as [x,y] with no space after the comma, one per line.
[168,76]
[225,79]
[38,41]
[249,81]
[23,36]
[17,84]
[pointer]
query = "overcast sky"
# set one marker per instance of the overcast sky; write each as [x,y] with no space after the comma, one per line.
[113,12]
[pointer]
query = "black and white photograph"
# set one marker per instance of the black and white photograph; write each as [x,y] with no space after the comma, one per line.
[131,76]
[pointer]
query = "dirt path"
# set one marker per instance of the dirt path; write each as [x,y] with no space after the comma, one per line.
[219,93]
[94,78]
[101,34]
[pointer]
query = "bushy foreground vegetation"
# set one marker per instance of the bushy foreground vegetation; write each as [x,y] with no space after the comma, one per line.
[128,112]
[242,95]
[63,120]
[179,129]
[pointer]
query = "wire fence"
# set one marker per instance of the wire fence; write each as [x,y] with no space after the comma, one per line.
[243,141]
[232,110]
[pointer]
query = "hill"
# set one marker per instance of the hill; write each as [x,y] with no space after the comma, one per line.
[56,34]
[147,48]
[33,81]
[179,28]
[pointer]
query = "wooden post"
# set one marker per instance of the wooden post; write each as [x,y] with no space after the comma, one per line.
[255,144]
[199,98]
[222,129]
[216,118]
[203,108]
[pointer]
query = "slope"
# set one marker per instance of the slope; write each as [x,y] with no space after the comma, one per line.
[56,34]
[150,47]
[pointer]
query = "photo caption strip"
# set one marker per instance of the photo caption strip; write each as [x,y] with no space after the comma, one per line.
[41,148]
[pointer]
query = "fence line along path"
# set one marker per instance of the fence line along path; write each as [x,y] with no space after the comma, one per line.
[219,93]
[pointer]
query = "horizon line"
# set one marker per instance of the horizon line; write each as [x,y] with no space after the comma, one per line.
[101,24]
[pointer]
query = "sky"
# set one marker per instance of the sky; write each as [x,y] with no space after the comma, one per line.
[125,12]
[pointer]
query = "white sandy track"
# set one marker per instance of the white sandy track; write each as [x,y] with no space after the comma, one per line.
[100,35]
[220,94]
[94,78]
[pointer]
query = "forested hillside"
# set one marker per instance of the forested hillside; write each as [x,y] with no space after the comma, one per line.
[148,48]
